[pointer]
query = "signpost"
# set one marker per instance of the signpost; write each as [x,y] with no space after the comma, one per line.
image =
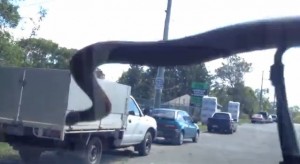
[159,83]
[198,91]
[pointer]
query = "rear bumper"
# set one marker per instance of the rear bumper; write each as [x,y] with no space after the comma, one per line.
[167,133]
[257,121]
[215,127]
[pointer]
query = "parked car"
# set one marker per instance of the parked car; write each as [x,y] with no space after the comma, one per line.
[264,114]
[257,118]
[175,125]
[221,121]
[274,117]
[270,119]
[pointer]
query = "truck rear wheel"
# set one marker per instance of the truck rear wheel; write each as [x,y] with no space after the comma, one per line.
[93,151]
[30,155]
[145,147]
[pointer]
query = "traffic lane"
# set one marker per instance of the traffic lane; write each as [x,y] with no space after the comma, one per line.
[252,143]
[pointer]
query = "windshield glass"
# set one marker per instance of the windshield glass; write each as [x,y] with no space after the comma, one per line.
[47,111]
[221,116]
[165,114]
[257,116]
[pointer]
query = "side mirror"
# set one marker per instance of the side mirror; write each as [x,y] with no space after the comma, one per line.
[131,113]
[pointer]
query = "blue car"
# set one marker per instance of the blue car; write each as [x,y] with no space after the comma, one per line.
[175,125]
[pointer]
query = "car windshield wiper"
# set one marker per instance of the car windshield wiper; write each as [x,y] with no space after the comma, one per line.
[223,42]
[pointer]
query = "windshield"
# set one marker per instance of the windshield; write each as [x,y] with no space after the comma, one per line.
[78,77]
[221,116]
[257,116]
[164,114]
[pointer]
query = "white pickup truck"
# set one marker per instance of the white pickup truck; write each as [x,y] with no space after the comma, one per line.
[40,109]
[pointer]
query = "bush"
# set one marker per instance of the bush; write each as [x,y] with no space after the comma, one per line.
[244,116]
[297,119]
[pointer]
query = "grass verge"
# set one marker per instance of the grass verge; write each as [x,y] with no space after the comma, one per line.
[202,127]
[7,151]
[243,121]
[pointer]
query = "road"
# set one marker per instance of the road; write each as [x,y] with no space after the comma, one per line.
[252,143]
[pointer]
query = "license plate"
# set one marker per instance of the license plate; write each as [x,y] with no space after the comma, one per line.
[14,130]
[215,126]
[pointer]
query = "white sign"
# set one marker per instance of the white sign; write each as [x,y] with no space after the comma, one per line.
[159,83]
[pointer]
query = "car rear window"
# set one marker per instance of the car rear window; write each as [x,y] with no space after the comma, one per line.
[257,116]
[221,116]
[168,114]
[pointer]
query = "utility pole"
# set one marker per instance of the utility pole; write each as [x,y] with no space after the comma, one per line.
[261,91]
[159,81]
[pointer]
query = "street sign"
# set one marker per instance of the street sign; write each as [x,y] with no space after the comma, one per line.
[198,91]
[159,83]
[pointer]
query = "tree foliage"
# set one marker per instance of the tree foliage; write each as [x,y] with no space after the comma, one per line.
[177,80]
[9,15]
[229,86]
[10,53]
[28,52]
[232,71]
[140,80]
[42,53]
[99,74]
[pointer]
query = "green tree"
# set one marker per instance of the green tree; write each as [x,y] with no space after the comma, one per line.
[266,104]
[10,53]
[294,108]
[178,80]
[42,53]
[232,71]
[248,100]
[9,15]
[140,80]
[229,85]
[99,74]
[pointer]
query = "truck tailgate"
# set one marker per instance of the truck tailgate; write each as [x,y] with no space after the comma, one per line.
[43,98]
[10,91]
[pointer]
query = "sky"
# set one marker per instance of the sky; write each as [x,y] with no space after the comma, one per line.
[76,24]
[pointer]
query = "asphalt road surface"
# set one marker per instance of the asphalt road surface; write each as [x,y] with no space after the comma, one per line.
[252,143]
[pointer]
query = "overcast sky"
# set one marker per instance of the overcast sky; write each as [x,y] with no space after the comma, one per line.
[76,24]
